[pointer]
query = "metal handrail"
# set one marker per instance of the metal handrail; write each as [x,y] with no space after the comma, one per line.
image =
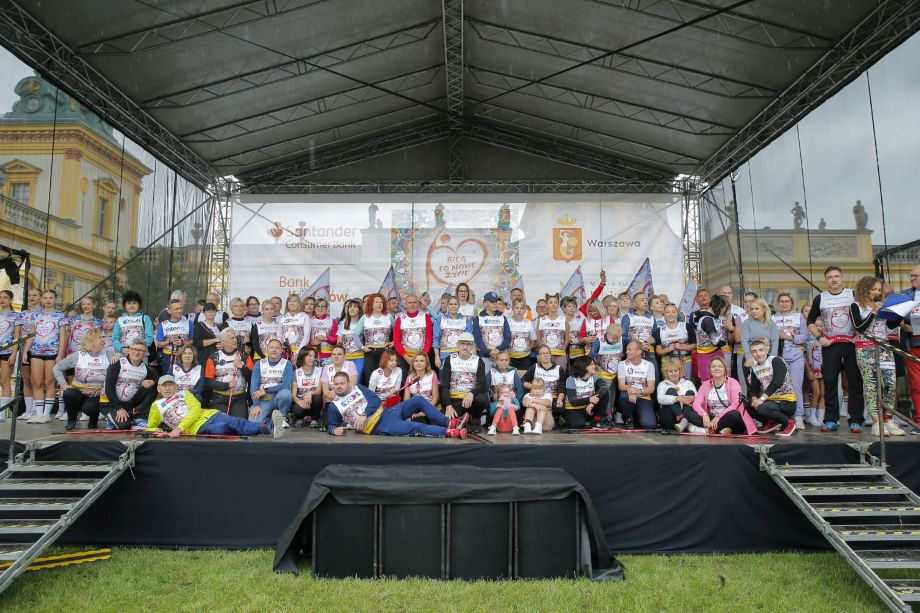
[17,341]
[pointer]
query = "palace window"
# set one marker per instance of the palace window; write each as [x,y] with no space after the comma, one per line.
[20,192]
[101,218]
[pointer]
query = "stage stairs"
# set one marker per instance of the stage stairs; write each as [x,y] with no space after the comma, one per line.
[39,500]
[868,516]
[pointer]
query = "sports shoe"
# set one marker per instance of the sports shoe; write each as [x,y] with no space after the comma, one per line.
[93,424]
[61,415]
[629,425]
[277,424]
[799,422]
[788,430]
[696,429]
[875,430]
[829,426]
[284,424]
[893,429]
[681,425]
[460,433]
[855,428]
[770,426]
[459,422]
[618,419]
[35,419]
[597,426]
[529,430]
[538,428]
[83,417]
[515,431]
[915,430]
[26,416]
[70,425]
[491,431]
[43,419]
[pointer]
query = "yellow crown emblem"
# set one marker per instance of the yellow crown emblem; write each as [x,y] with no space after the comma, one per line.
[567,220]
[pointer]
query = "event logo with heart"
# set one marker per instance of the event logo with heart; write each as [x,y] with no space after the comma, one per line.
[45,329]
[452,264]
[5,327]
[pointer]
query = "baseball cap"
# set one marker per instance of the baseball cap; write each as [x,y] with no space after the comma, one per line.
[490,297]
[165,379]
[465,337]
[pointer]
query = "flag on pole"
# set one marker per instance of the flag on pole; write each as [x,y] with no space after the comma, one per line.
[388,287]
[642,282]
[319,288]
[575,287]
[897,305]
[519,284]
[688,302]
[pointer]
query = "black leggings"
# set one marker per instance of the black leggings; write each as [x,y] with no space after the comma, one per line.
[579,418]
[730,419]
[314,410]
[238,406]
[371,363]
[834,357]
[76,402]
[779,411]
[670,415]
[138,407]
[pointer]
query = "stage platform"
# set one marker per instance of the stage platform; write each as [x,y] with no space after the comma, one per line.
[653,492]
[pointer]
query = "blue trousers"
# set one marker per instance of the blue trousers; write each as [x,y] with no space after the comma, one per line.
[280,402]
[395,421]
[642,411]
[221,423]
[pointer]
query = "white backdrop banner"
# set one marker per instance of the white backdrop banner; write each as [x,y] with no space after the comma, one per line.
[282,244]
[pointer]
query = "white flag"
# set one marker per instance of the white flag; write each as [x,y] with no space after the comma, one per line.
[575,287]
[319,288]
[642,282]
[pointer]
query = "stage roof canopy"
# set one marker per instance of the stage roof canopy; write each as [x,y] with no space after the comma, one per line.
[290,92]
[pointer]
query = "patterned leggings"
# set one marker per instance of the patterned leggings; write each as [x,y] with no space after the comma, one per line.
[865,359]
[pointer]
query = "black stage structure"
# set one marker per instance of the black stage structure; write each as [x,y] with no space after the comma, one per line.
[653,493]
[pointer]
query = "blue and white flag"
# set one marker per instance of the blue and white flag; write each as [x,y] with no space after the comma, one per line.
[688,302]
[897,305]
[642,282]
[575,287]
[319,288]
[388,287]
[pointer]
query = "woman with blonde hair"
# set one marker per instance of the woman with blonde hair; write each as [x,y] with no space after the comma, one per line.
[295,325]
[89,364]
[759,324]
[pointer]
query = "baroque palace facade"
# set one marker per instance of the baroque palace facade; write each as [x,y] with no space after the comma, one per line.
[68,190]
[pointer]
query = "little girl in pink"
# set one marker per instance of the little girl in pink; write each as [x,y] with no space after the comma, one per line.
[505,419]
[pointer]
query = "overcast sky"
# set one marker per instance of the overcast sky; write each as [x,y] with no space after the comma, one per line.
[836,145]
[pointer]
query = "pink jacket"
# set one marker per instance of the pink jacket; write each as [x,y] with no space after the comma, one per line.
[734,402]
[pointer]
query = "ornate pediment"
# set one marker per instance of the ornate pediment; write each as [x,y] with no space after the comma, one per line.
[106,185]
[19,167]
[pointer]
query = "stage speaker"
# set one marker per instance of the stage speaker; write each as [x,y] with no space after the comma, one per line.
[547,538]
[344,540]
[412,540]
[479,541]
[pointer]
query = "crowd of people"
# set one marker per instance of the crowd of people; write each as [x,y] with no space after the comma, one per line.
[413,366]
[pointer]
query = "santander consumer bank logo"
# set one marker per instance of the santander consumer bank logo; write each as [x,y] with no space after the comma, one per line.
[306,236]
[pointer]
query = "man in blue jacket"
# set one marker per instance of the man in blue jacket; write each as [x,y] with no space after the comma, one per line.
[358,408]
[270,385]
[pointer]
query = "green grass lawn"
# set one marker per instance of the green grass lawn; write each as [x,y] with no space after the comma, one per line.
[167,581]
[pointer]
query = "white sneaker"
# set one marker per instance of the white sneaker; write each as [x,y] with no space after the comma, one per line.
[696,429]
[26,416]
[43,419]
[681,425]
[491,430]
[285,425]
[83,417]
[618,419]
[516,431]
[799,422]
[893,429]
[875,430]
[61,416]
[35,419]
[527,429]
[538,428]
[277,424]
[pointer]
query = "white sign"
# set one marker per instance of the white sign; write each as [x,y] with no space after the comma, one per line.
[283,244]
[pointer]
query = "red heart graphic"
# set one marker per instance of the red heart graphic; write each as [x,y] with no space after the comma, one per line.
[474,250]
[5,327]
[44,328]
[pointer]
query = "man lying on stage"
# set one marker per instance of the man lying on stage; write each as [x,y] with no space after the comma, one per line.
[358,408]
[181,413]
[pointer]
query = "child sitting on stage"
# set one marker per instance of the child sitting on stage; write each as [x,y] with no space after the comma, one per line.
[539,413]
[505,410]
